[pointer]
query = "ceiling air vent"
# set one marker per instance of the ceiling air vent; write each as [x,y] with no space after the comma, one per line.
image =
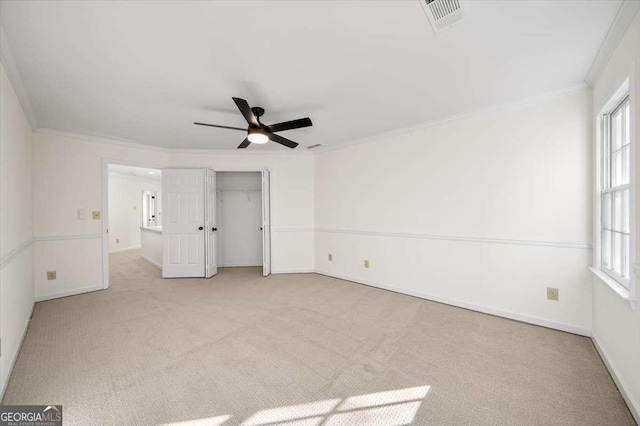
[314,146]
[442,14]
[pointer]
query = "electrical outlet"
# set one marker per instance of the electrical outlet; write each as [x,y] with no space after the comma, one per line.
[135,207]
[51,275]
[117,240]
[552,293]
[82,214]
[366,263]
[330,257]
[96,214]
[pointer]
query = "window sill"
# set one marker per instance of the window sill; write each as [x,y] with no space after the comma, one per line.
[617,288]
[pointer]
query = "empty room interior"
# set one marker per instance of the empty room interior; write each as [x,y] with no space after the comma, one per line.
[260,213]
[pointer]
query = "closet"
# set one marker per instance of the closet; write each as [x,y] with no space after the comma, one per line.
[239,218]
[214,219]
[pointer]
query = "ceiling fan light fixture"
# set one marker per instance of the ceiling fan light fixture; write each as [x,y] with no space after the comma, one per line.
[258,136]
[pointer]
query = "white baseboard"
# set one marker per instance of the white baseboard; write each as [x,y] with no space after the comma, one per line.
[239,264]
[120,250]
[617,378]
[471,306]
[69,293]
[293,271]
[15,355]
[153,262]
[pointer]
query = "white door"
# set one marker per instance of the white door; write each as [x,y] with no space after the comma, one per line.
[211,226]
[266,225]
[183,234]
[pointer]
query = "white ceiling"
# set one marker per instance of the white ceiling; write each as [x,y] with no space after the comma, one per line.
[145,71]
[139,172]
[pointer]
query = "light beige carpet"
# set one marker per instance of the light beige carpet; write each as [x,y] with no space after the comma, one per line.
[298,350]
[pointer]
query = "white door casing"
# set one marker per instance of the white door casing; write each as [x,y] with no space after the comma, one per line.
[211,226]
[183,232]
[266,224]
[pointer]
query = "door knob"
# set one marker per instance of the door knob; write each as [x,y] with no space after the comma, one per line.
[200,228]
[214,229]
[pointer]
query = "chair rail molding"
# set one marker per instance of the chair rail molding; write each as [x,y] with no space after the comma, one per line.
[7,258]
[583,245]
[293,229]
[59,237]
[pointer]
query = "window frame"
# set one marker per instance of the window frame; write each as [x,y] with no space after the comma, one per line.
[607,187]
[625,92]
[149,214]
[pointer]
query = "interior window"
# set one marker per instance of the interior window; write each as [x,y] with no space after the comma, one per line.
[149,208]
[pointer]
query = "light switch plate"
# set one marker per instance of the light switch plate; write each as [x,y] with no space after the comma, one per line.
[82,214]
[96,214]
[552,293]
[330,257]
[366,264]
[51,275]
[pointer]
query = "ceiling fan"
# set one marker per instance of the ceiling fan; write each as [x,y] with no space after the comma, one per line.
[261,133]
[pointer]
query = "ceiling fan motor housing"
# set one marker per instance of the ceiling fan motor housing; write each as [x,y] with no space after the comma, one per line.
[257,111]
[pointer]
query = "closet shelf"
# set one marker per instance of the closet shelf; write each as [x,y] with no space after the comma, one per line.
[245,190]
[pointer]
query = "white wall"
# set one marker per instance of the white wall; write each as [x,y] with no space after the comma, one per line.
[67,175]
[125,209]
[239,219]
[483,212]
[151,242]
[16,276]
[292,199]
[616,325]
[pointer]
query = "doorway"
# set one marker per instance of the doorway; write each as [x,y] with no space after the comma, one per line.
[132,217]
[239,213]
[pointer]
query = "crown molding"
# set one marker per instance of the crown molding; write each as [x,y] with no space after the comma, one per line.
[236,152]
[132,144]
[80,137]
[626,13]
[10,67]
[456,117]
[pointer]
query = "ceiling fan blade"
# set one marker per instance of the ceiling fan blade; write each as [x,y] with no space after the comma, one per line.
[282,141]
[245,109]
[290,125]
[221,127]
[245,143]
